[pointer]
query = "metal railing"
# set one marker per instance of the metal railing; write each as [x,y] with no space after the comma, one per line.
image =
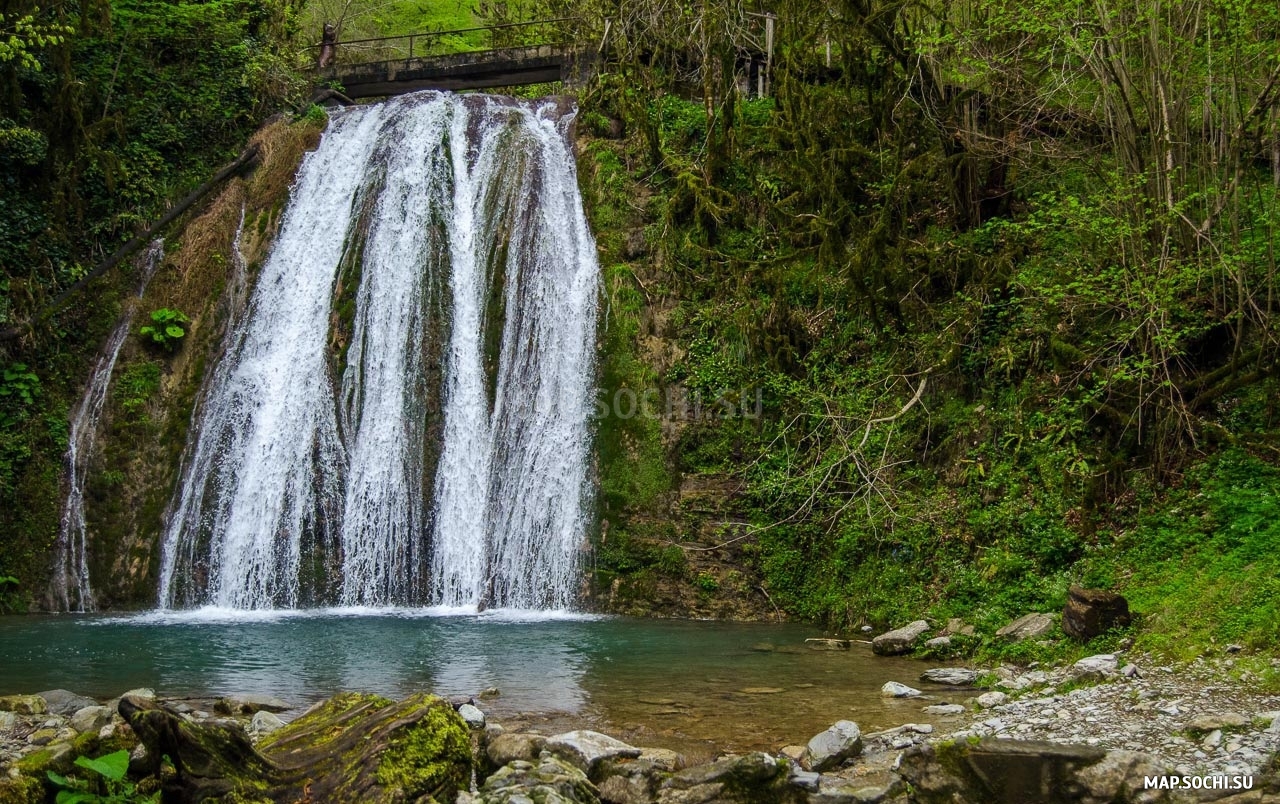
[425,44]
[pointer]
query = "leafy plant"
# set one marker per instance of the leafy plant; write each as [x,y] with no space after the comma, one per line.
[165,328]
[111,770]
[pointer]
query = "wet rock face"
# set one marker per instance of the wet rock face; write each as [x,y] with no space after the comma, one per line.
[1091,612]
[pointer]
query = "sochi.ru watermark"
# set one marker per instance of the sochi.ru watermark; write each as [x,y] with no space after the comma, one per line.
[1197,782]
[678,404]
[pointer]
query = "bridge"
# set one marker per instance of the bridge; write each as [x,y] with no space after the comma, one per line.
[506,55]
[394,65]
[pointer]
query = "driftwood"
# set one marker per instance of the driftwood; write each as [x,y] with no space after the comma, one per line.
[350,748]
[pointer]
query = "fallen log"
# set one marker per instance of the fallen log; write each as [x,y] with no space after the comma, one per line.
[351,748]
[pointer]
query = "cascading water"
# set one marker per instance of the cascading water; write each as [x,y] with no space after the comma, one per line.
[71,588]
[401,414]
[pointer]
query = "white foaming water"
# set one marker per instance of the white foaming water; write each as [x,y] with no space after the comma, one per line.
[71,588]
[449,463]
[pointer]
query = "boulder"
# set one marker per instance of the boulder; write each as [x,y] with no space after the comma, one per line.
[250,704]
[843,740]
[1227,721]
[957,627]
[91,718]
[472,716]
[733,772]
[938,643]
[1095,668]
[1090,612]
[549,780]
[506,748]
[944,709]
[586,749]
[987,700]
[893,689]
[23,704]
[951,676]
[65,702]
[265,723]
[999,772]
[817,643]
[900,640]
[1028,626]
[627,789]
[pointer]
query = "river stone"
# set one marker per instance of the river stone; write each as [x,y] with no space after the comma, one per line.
[747,769]
[586,749]
[23,704]
[817,643]
[830,748]
[1119,773]
[1095,668]
[1090,612]
[265,722]
[1028,626]
[507,748]
[893,689]
[987,700]
[65,702]
[1207,723]
[550,781]
[938,643]
[145,693]
[661,758]
[626,789]
[8,723]
[248,704]
[951,676]
[91,718]
[944,709]
[899,640]
[473,716]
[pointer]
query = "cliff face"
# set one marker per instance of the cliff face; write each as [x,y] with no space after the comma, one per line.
[154,389]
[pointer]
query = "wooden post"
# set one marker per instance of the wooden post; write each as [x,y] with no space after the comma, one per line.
[768,51]
[411,38]
[604,40]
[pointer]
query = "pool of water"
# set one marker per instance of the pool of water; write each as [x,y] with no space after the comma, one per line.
[667,682]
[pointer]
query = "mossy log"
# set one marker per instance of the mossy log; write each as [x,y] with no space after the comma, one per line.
[350,748]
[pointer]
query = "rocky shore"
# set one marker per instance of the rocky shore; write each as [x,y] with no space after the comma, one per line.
[1092,731]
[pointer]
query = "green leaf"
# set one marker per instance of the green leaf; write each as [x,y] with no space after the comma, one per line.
[75,797]
[174,331]
[113,766]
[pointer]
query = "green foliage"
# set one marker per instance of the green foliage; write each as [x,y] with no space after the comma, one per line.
[22,36]
[108,786]
[165,329]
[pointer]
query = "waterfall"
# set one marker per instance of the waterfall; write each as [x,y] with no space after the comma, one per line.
[71,588]
[400,414]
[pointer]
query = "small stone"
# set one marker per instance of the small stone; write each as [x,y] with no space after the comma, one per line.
[91,718]
[1130,671]
[803,779]
[1028,626]
[866,629]
[507,748]
[1213,739]
[23,704]
[893,689]
[900,640]
[1208,723]
[42,736]
[265,722]
[1096,668]
[944,709]
[828,749]
[8,723]
[473,716]
[951,676]
[820,643]
[1233,648]
[146,693]
[987,700]
[792,752]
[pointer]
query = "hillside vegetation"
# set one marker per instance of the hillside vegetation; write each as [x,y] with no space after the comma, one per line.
[1001,276]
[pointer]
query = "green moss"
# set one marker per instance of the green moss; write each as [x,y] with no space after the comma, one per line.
[22,790]
[331,711]
[433,758]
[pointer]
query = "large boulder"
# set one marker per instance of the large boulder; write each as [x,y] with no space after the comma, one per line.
[841,741]
[91,718]
[507,748]
[1028,626]
[1090,612]
[65,702]
[899,640]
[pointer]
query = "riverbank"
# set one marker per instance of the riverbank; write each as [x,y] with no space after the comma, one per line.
[1100,723]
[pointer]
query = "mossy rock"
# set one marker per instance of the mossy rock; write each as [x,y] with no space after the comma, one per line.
[353,747]
[21,790]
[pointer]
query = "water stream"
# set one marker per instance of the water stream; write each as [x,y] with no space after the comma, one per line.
[400,416]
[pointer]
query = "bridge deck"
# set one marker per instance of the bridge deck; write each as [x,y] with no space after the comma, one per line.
[517,66]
